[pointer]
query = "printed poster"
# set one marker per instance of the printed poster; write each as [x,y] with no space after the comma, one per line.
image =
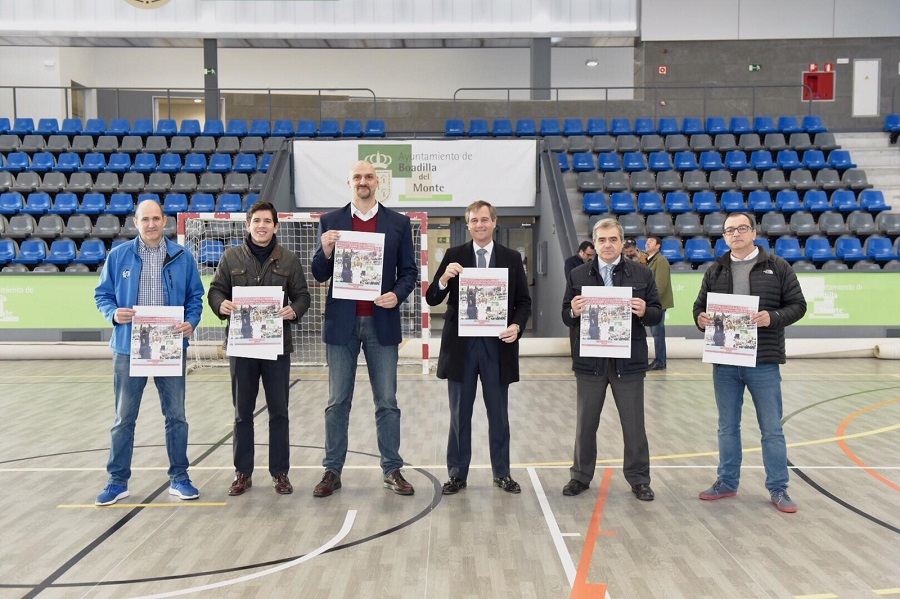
[156,349]
[605,330]
[358,261]
[483,302]
[256,329]
[732,338]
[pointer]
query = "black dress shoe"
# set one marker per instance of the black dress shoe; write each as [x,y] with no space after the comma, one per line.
[508,484]
[453,486]
[574,487]
[656,366]
[330,483]
[643,492]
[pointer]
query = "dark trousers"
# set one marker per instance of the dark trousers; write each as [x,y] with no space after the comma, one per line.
[481,358]
[628,391]
[245,376]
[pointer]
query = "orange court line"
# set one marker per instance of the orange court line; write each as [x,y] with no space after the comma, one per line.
[582,589]
[846,448]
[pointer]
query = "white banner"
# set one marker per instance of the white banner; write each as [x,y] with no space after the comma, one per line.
[419,174]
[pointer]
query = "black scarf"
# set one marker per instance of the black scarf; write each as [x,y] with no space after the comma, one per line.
[262,252]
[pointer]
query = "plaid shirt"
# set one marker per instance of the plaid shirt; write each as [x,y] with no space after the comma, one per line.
[150,289]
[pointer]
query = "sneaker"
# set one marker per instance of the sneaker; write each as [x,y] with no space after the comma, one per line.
[111,494]
[183,489]
[719,490]
[783,501]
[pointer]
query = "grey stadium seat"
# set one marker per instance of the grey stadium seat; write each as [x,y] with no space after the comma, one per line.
[50,226]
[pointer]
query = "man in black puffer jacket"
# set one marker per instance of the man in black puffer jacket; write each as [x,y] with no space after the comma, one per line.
[750,270]
[624,375]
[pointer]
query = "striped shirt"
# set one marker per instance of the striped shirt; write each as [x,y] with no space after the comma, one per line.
[150,288]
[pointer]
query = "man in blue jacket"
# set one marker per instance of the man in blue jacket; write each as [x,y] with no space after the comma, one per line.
[373,326]
[148,271]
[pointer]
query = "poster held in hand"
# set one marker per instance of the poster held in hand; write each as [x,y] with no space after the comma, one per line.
[256,330]
[358,259]
[156,349]
[483,303]
[605,328]
[732,338]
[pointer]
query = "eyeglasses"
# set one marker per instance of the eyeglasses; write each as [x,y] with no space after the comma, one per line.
[732,230]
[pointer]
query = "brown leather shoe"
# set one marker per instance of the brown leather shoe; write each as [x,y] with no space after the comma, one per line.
[283,484]
[330,483]
[396,483]
[240,485]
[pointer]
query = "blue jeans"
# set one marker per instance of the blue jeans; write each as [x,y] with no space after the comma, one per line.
[659,341]
[764,384]
[129,391]
[381,361]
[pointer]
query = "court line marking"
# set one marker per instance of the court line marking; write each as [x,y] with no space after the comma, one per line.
[130,505]
[894,591]
[555,534]
[345,529]
[582,589]
[846,448]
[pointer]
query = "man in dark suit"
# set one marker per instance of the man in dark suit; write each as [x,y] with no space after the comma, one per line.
[373,326]
[495,359]
[585,254]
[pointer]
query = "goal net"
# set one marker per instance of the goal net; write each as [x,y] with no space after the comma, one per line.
[207,235]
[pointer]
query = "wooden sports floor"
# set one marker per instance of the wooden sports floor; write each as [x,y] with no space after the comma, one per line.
[841,422]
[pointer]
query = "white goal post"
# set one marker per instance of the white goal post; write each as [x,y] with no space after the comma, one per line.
[206,235]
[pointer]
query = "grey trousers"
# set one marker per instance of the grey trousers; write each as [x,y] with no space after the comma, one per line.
[628,392]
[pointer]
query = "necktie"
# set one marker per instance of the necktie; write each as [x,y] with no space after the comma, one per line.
[607,275]
[481,261]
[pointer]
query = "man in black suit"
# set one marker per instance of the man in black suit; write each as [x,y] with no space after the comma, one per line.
[585,254]
[464,359]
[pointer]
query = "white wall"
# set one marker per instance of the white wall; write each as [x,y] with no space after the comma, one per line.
[25,66]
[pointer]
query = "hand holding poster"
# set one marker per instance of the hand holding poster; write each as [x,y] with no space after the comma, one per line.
[483,302]
[731,339]
[256,329]
[605,330]
[156,349]
[357,266]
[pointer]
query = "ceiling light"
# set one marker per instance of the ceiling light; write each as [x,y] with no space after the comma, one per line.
[591,62]
[197,100]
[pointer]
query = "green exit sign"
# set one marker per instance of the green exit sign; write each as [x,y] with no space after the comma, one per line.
[209,71]
[754,67]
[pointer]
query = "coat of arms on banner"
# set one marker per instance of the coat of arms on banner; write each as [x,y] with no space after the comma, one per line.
[382,164]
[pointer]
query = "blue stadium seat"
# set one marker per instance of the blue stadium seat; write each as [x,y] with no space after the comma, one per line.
[37,203]
[698,249]
[563,160]
[375,128]
[4,126]
[733,201]
[166,127]
[814,160]
[649,202]
[668,126]
[477,128]
[67,162]
[594,202]
[788,125]
[502,128]
[118,127]
[244,163]
[763,243]
[692,126]
[213,128]
[352,128]
[872,200]
[736,160]
[16,162]
[787,201]
[812,123]
[264,161]
[704,202]
[121,204]
[711,160]
[763,125]
[175,203]
[685,161]
[788,248]
[169,163]
[92,203]
[633,161]
[329,128]
[597,127]
[148,196]
[760,201]
[660,161]
[644,126]
[716,125]
[211,251]
[236,128]
[71,127]
[62,251]
[761,160]
[93,252]
[527,128]
[8,250]
[788,160]
[142,127]
[621,126]
[42,162]
[219,163]
[678,202]
[260,128]
[672,250]
[573,127]
[880,249]
[549,127]
[95,127]
[229,202]
[584,162]
[249,200]
[607,162]
[202,202]
[844,200]
[815,200]
[194,163]
[738,125]
[283,128]
[190,128]
[47,127]
[306,128]
[93,162]
[849,249]
[144,163]
[31,251]
[22,126]
[621,202]
[818,249]
[840,159]
[64,204]
[118,163]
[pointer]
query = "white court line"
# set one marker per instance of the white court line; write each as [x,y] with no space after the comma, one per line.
[345,529]
[555,534]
